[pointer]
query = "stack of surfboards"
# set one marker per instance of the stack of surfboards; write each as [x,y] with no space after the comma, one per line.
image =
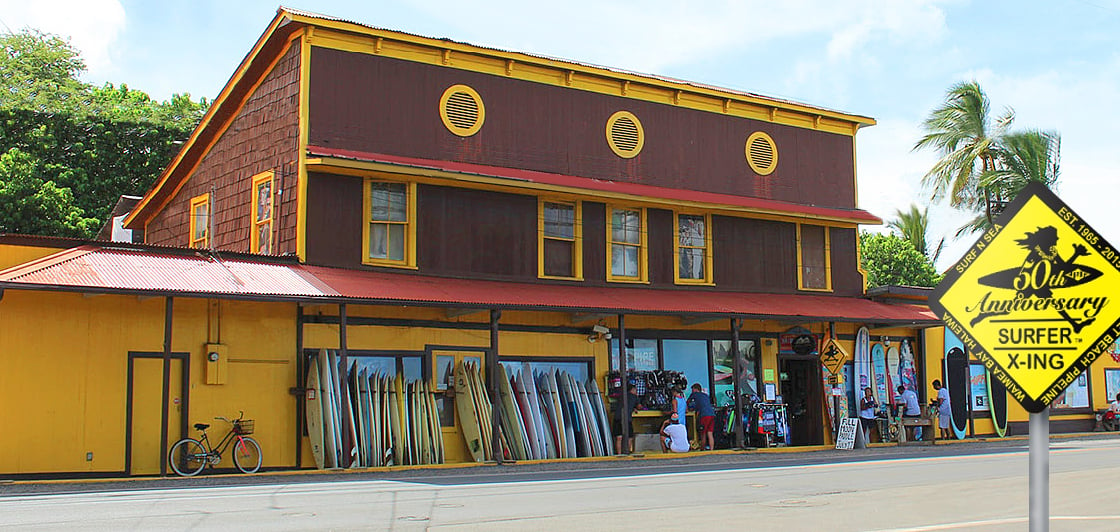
[544,415]
[390,421]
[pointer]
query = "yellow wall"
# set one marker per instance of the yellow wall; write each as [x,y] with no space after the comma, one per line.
[935,342]
[12,255]
[63,388]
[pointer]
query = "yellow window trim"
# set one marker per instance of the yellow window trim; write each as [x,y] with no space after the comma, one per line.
[577,240]
[643,247]
[254,238]
[204,242]
[410,229]
[708,279]
[827,261]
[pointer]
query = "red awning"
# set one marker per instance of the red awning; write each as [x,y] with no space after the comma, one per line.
[637,190]
[146,271]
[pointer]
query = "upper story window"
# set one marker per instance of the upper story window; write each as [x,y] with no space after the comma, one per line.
[814,271]
[199,235]
[390,224]
[561,240]
[260,237]
[627,257]
[693,248]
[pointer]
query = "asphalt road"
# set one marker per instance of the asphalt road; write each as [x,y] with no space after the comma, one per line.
[973,486]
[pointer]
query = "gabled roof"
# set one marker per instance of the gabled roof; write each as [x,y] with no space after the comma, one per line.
[288,22]
[146,271]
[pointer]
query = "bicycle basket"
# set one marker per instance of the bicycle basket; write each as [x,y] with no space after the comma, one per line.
[243,427]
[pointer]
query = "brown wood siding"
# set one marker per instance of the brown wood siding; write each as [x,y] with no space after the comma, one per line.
[264,136]
[334,220]
[471,233]
[660,242]
[375,104]
[594,242]
[489,235]
[846,279]
[754,255]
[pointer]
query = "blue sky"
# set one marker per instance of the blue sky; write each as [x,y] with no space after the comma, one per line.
[1057,63]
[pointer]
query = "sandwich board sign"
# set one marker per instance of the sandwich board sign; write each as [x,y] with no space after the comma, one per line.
[1036,298]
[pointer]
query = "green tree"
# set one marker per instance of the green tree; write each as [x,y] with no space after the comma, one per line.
[40,72]
[34,205]
[890,259]
[983,164]
[96,142]
[913,225]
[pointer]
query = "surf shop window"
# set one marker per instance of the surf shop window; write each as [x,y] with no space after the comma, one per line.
[579,368]
[260,237]
[409,364]
[445,361]
[1076,396]
[707,362]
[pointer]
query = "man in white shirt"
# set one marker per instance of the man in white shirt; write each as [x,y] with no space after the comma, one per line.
[674,435]
[907,401]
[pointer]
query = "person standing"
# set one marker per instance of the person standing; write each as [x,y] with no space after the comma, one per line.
[944,409]
[867,406]
[702,404]
[621,417]
[679,405]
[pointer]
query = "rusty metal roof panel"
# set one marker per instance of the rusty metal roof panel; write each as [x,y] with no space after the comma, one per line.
[95,268]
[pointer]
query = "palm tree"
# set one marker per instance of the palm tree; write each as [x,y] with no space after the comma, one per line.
[913,226]
[982,163]
[962,130]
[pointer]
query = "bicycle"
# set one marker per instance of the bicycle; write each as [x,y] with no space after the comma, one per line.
[189,456]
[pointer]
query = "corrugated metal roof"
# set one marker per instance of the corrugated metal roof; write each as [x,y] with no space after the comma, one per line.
[601,185]
[93,268]
[416,289]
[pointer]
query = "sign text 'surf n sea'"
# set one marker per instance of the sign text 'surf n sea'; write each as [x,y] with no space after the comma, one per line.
[1036,299]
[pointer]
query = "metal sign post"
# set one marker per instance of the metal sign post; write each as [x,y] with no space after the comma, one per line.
[1040,471]
[1034,301]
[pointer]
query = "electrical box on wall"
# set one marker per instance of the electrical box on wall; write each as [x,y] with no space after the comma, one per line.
[215,363]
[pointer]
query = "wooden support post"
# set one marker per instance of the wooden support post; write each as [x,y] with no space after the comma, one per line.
[165,413]
[301,381]
[736,323]
[492,373]
[624,400]
[344,388]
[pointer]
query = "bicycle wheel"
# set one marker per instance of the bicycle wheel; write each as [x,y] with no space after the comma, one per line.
[187,457]
[247,454]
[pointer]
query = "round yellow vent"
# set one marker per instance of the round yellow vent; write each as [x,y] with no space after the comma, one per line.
[762,153]
[625,135]
[461,110]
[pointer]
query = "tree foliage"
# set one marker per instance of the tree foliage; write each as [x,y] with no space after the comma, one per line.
[91,144]
[983,163]
[890,259]
[35,205]
[913,225]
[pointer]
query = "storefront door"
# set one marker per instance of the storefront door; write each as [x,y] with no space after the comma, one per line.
[801,391]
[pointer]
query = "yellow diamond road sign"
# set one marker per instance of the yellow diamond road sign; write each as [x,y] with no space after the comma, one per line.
[833,356]
[1036,299]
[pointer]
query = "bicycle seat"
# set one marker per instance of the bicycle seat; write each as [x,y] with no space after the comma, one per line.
[201,426]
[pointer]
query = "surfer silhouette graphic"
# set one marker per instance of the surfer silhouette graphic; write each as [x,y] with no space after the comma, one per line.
[1042,272]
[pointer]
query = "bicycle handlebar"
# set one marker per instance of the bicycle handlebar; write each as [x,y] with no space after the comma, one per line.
[227,420]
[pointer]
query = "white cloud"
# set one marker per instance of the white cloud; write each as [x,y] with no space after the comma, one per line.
[655,35]
[93,26]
